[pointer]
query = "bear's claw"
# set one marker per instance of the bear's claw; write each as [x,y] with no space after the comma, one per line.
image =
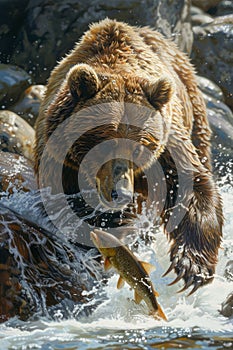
[190,266]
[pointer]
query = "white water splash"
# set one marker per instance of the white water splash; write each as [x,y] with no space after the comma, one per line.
[119,313]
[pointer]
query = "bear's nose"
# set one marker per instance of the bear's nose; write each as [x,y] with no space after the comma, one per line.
[120,169]
[121,196]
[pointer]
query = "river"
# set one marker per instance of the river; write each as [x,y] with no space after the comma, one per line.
[194,322]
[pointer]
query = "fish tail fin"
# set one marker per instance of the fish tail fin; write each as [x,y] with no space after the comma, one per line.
[159,313]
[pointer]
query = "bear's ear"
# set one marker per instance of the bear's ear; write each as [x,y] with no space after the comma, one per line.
[159,92]
[82,81]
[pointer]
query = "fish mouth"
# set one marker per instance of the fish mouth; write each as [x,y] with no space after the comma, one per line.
[94,238]
[103,239]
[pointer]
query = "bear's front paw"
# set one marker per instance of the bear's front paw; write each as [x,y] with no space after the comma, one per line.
[192,266]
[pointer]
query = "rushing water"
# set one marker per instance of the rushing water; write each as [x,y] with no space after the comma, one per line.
[118,323]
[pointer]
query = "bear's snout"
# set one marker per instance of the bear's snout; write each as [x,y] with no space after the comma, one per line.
[115,183]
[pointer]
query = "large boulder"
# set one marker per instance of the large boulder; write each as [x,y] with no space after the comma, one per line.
[213,53]
[16,174]
[39,271]
[221,122]
[13,81]
[16,135]
[50,28]
[29,103]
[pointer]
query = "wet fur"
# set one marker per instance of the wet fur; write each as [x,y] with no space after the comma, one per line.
[126,64]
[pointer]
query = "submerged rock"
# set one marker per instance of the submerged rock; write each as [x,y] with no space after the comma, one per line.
[29,103]
[213,53]
[16,135]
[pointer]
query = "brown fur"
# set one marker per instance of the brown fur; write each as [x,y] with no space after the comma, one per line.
[115,62]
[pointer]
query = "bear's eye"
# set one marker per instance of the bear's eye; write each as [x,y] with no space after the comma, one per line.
[137,152]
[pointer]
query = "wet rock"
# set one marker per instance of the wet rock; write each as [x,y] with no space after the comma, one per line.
[199,17]
[51,28]
[13,80]
[16,135]
[221,122]
[29,103]
[225,7]
[210,89]
[11,19]
[16,174]
[227,306]
[39,270]
[198,20]
[205,4]
[229,271]
[213,53]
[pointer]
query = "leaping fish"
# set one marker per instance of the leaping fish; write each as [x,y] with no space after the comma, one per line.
[130,269]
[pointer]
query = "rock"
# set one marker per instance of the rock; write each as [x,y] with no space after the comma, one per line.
[50,28]
[16,135]
[39,271]
[12,16]
[220,119]
[210,89]
[225,7]
[16,174]
[227,306]
[228,274]
[13,80]
[29,103]
[213,53]
[199,17]
[205,4]
[221,122]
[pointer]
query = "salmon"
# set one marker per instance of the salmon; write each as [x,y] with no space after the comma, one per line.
[130,269]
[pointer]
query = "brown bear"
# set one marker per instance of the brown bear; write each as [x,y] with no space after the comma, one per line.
[128,120]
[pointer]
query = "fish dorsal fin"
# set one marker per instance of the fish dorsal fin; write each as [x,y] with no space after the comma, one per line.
[107,264]
[120,283]
[137,298]
[147,266]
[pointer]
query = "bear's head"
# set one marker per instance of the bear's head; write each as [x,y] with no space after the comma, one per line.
[113,128]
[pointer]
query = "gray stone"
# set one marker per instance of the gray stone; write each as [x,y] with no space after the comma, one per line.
[227,306]
[29,103]
[210,89]
[221,122]
[205,4]
[16,135]
[229,271]
[200,19]
[13,80]
[213,53]
[225,7]
[50,28]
